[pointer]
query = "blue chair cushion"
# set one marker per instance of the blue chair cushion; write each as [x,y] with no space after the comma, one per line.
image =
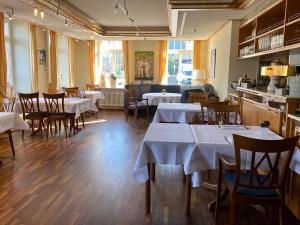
[244,178]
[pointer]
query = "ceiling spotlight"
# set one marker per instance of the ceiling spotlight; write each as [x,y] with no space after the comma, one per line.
[116,7]
[76,40]
[35,12]
[44,29]
[92,37]
[42,15]
[137,34]
[10,13]
[66,22]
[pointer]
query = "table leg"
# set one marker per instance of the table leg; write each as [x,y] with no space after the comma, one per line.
[152,172]
[147,195]
[188,189]
[183,176]
[11,142]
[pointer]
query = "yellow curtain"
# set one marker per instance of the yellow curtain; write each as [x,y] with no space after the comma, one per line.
[71,43]
[162,59]
[53,62]
[125,48]
[92,60]
[3,65]
[35,75]
[197,56]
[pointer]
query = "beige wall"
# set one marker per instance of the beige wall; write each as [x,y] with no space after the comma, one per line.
[82,71]
[228,66]
[143,46]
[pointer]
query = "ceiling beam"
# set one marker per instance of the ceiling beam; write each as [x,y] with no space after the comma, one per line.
[142,31]
[205,4]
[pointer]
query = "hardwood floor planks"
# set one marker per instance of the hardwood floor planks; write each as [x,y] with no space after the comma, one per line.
[87,180]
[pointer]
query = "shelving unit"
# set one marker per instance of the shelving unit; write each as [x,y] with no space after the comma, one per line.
[274,30]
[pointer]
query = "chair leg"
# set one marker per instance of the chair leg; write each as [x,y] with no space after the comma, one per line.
[82,119]
[23,134]
[32,127]
[136,114]
[218,197]
[127,113]
[232,211]
[282,217]
[59,126]
[73,124]
[48,125]
[66,128]
[40,127]
[55,126]
[11,143]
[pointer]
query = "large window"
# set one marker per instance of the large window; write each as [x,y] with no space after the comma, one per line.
[21,55]
[111,61]
[8,48]
[180,62]
[63,69]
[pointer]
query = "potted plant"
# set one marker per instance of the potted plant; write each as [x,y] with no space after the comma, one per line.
[264,127]
[113,80]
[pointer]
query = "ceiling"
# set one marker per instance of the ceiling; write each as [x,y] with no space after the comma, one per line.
[153,19]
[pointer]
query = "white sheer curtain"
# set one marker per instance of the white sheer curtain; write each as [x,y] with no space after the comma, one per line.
[63,69]
[21,64]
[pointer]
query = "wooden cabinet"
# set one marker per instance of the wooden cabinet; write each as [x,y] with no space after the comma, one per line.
[275,29]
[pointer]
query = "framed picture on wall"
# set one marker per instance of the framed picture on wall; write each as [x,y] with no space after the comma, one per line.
[213,55]
[41,53]
[144,65]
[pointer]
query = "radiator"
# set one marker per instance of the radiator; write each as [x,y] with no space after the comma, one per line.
[113,98]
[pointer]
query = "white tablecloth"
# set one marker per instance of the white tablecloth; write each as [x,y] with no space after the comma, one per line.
[212,140]
[176,112]
[156,98]
[94,95]
[72,105]
[10,120]
[172,144]
[196,147]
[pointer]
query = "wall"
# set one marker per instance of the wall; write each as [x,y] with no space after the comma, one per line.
[82,71]
[143,46]
[228,67]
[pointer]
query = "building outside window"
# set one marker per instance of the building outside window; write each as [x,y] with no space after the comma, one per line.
[179,62]
[111,61]
[8,48]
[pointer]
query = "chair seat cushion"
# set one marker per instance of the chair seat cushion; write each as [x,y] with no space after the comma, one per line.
[140,104]
[244,178]
[36,115]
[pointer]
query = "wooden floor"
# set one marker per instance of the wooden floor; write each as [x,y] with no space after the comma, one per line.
[87,179]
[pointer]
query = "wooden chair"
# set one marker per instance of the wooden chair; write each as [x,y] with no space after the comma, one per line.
[219,113]
[72,93]
[92,87]
[197,97]
[56,112]
[134,103]
[252,186]
[31,110]
[7,104]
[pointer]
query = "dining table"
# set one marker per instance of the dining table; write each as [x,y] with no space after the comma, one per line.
[196,148]
[157,97]
[11,121]
[71,105]
[95,96]
[183,113]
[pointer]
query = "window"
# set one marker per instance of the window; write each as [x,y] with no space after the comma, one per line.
[63,74]
[7,35]
[111,61]
[180,62]
[21,55]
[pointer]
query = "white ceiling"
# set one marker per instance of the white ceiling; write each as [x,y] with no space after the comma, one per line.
[144,12]
[148,13]
[201,24]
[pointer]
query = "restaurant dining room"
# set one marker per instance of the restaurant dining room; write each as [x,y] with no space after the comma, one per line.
[159,112]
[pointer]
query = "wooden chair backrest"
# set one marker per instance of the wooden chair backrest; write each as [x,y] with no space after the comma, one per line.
[92,87]
[197,97]
[220,112]
[72,93]
[55,103]
[7,104]
[29,102]
[268,152]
